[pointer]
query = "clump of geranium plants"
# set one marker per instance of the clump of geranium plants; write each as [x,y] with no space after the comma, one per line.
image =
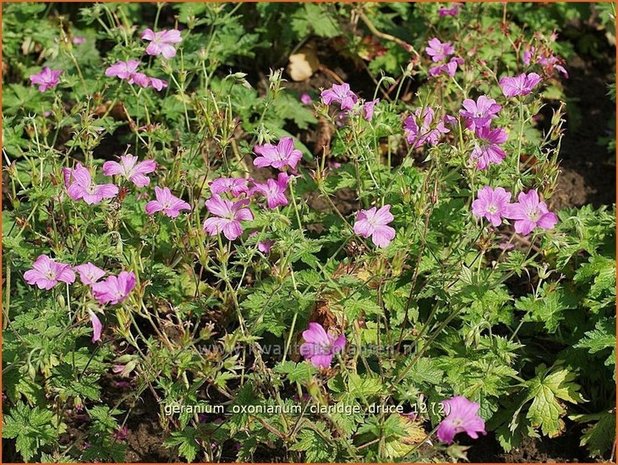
[174,239]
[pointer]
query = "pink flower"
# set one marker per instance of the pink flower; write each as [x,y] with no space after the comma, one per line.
[519,85]
[78,40]
[274,191]
[46,79]
[449,68]
[320,347]
[122,69]
[373,222]
[79,185]
[480,113]
[551,63]
[487,150]
[530,212]
[129,168]
[228,216]
[140,79]
[418,136]
[491,204]
[89,274]
[114,289]
[97,327]
[529,52]
[341,94]
[368,109]
[263,246]
[462,417]
[452,11]
[279,156]
[306,99]
[234,186]
[46,273]
[127,70]
[161,43]
[439,51]
[167,203]
[158,84]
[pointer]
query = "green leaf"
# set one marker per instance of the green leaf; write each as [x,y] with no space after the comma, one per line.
[186,441]
[546,390]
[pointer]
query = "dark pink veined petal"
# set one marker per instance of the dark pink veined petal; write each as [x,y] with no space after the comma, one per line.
[112,168]
[148,34]
[106,191]
[214,225]
[244,214]
[153,206]
[384,215]
[168,51]
[171,36]
[383,235]
[81,175]
[322,361]
[232,230]
[65,274]
[97,327]
[316,334]
[218,206]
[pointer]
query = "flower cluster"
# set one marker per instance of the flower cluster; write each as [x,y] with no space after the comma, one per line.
[127,71]
[342,95]
[422,127]
[529,212]
[439,52]
[46,273]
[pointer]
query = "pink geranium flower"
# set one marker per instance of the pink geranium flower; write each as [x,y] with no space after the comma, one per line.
[453,10]
[228,216]
[162,42]
[439,51]
[46,79]
[368,108]
[129,168]
[278,156]
[530,212]
[89,274]
[552,63]
[114,289]
[461,417]
[306,99]
[373,223]
[97,327]
[341,94]
[127,71]
[449,68]
[480,113]
[234,186]
[46,273]
[157,84]
[419,128]
[79,185]
[122,69]
[274,191]
[320,347]
[265,245]
[491,204]
[519,85]
[487,150]
[167,203]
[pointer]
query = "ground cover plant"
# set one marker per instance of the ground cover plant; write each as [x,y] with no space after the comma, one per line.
[308,232]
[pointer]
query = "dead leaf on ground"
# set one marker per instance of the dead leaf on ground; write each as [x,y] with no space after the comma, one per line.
[303,64]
